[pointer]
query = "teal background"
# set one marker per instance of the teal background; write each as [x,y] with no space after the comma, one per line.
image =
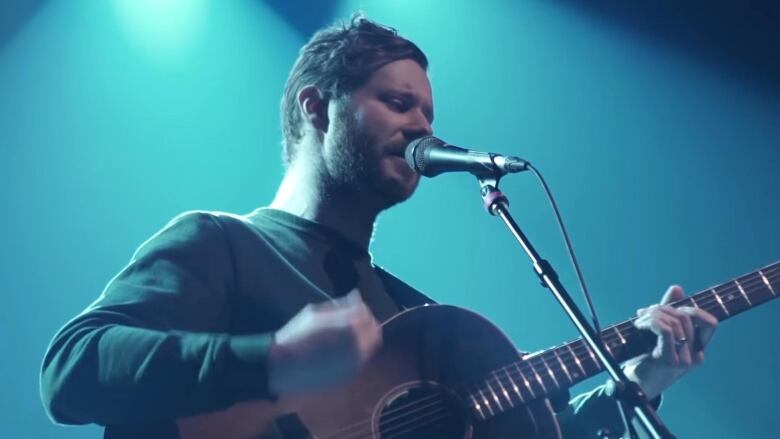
[117,115]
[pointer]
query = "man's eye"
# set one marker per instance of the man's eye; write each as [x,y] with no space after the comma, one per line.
[397,104]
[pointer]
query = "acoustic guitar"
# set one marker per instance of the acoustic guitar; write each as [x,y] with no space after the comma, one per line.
[447,373]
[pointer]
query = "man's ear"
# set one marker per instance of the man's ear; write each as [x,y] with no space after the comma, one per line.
[313,105]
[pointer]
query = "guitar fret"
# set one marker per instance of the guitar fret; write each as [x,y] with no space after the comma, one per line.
[514,386]
[538,378]
[550,372]
[609,349]
[477,406]
[495,397]
[741,290]
[504,391]
[717,297]
[592,357]
[620,336]
[486,402]
[563,365]
[525,381]
[766,281]
[576,360]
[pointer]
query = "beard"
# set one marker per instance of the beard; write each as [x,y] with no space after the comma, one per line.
[353,161]
[349,154]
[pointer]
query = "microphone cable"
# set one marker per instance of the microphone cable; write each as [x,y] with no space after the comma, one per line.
[569,248]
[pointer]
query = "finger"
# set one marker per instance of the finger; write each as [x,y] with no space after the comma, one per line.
[673,322]
[664,349]
[698,357]
[705,324]
[369,339]
[646,314]
[350,303]
[673,294]
[683,349]
[683,317]
[663,328]
[678,335]
[353,297]
[682,343]
[364,320]
[336,302]
[703,337]
[659,320]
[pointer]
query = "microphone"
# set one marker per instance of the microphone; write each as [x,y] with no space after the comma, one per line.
[431,156]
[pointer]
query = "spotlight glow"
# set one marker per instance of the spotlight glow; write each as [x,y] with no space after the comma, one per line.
[163,29]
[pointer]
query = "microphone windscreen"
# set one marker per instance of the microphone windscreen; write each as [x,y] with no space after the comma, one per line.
[415,152]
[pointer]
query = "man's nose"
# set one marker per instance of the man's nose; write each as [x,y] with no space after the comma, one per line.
[419,127]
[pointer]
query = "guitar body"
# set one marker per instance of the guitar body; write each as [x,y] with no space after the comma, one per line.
[447,373]
[415,387]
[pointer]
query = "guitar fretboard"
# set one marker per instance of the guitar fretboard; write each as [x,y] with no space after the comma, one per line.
[558,368]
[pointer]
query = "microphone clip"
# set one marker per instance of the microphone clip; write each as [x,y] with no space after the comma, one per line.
[492,197]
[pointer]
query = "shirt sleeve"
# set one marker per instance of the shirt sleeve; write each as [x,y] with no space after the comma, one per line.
[593,412]
[155,344]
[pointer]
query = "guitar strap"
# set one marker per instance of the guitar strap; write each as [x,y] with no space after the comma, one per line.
[404,295]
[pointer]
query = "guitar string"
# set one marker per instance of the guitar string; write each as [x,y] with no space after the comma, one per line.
[630,329]
[365,427]
[430,401]
[615,341]
[388,432]
[747,284]
[730,290]
[415,427]
[431,414]
[770,273]
[433,401]
[580,348]
[750,283]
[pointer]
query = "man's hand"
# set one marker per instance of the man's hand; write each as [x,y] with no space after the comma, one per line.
[682,334]
[323,345]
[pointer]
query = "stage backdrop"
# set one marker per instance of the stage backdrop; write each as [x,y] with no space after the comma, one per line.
[662,150]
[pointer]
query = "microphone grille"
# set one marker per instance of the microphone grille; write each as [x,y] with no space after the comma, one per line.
[415,152]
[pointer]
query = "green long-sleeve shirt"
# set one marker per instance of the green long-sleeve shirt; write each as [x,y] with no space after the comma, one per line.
[186,326]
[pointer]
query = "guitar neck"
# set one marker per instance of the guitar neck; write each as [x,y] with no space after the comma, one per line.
[543,373]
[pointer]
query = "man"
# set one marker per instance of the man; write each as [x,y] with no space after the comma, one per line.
[219,309]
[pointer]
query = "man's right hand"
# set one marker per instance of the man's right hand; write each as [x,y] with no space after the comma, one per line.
[323,345]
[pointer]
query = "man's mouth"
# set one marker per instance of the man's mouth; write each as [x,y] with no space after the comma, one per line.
[398,152]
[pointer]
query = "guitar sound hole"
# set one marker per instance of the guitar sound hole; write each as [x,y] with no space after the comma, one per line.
[424,412]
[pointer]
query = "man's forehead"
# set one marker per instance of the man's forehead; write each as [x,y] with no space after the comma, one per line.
[405,75]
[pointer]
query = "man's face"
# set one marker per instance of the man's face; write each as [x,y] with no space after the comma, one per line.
[369,130]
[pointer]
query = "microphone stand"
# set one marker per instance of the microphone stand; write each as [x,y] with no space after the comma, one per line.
[628,393]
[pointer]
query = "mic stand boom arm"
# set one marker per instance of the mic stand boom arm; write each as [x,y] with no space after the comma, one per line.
[631,395]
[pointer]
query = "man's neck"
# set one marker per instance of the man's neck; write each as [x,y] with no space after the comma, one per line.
[300,194]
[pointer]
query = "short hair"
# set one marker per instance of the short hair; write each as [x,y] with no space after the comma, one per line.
[339,59]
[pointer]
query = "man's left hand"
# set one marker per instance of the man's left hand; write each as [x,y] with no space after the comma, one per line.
[682,334]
